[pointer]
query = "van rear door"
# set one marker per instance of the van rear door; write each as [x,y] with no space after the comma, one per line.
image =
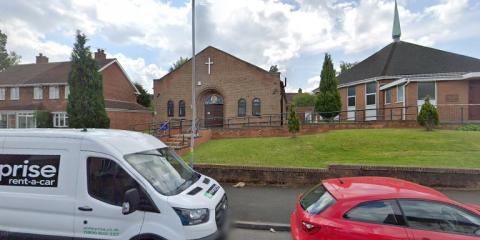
[37,187]
[102,183]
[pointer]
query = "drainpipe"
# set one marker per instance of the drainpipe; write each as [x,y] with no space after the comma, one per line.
[405,99]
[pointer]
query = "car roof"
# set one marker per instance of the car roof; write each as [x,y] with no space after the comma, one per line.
[126,142]
[375,188]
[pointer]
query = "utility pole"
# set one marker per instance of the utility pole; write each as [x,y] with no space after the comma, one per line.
[194,104]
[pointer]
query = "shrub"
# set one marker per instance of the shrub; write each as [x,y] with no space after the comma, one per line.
[293,122]
[428,116]
[469,127]
[44,119]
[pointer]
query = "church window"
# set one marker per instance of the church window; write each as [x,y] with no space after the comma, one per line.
[181,108]
[256,107]
[242,107]
[170,108]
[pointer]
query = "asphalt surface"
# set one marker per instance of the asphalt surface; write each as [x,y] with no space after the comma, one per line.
[275,204]
[243,234]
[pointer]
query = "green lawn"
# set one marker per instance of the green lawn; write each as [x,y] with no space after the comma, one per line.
[400,147]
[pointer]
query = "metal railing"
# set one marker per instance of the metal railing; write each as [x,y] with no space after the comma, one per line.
[458,113]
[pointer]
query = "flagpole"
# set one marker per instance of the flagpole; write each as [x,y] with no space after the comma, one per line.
[194,104]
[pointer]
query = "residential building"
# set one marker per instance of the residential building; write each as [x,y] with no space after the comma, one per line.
[27,88]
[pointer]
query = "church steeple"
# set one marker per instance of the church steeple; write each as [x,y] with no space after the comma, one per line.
[397,31]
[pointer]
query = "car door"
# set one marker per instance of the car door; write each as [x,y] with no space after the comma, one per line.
[373,220]
[429,220]
[102,184]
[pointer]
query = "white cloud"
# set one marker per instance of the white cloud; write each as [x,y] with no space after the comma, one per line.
[139,71]
[264,32]
[313,83]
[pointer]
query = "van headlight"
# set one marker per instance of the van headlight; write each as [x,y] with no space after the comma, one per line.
[192,216]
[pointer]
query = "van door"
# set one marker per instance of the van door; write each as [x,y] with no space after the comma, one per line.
[37,193]
[101,187]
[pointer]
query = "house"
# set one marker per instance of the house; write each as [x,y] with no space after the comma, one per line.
[393,83]
[229,92]
[27,88]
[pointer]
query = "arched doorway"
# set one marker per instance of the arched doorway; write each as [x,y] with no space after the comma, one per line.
[213,110]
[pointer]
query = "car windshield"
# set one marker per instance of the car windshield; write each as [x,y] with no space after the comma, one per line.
[164,170]
[316,200]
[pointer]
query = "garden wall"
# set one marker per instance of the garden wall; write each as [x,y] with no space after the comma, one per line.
[219,133]
[433,177]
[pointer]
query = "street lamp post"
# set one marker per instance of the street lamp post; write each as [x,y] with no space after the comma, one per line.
[194,105]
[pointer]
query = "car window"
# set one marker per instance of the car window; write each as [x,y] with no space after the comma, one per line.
[316,200]
[108,182]
[436,216]
[381,212]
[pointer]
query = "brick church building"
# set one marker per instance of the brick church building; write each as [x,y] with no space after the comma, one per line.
[230,92]
[43,85]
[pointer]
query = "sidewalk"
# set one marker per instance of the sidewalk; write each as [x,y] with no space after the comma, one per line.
[275,204]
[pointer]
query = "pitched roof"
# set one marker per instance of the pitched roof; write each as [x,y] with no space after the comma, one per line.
[122,105]
[403,58]
[223,52]
[44,73]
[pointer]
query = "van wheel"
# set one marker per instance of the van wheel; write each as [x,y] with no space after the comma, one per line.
[148,237]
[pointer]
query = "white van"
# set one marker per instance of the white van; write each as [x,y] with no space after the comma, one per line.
[102,184]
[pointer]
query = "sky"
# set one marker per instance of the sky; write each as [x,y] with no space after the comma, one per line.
[147,36]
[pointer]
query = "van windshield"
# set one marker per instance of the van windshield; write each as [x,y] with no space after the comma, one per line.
[164,169]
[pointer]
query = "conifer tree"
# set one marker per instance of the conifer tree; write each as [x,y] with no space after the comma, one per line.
[328,101]
[293,122]
[86,104]
[428,116]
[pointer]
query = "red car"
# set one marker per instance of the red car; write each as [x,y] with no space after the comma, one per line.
[376,208]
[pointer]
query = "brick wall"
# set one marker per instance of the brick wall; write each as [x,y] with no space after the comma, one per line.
[116,85]
[230,77]
[220,133]
[26,98]
[433,177]
[125,119]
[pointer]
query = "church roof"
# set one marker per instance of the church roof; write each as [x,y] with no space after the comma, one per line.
[223,52]
[404,58]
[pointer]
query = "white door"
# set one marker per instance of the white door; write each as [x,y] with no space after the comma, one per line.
[351,103]
[425,89]
[102,183]
[37,201]
[371,101]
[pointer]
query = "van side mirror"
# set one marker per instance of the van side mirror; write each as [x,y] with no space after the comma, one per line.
[131,201]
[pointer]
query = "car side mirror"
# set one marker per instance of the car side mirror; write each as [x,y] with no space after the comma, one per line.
[131,201]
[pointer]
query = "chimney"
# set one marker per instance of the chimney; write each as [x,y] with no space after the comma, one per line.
[100,55]
[300,90]
[41,59]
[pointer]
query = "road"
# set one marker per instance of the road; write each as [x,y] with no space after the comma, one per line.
[242,234]
[275,204]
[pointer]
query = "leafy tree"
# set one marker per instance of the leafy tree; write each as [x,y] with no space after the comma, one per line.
[144,98]
[86,104]
[178,64]
[304,100]
[428,116]
[344,66]
[293,122]
[328,101]
[273,69]
[44,119]
[6,59]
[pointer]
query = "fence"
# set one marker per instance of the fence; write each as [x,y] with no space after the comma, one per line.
[459,114]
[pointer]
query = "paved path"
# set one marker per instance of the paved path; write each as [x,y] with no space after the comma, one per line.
[242,234]
[275,204]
